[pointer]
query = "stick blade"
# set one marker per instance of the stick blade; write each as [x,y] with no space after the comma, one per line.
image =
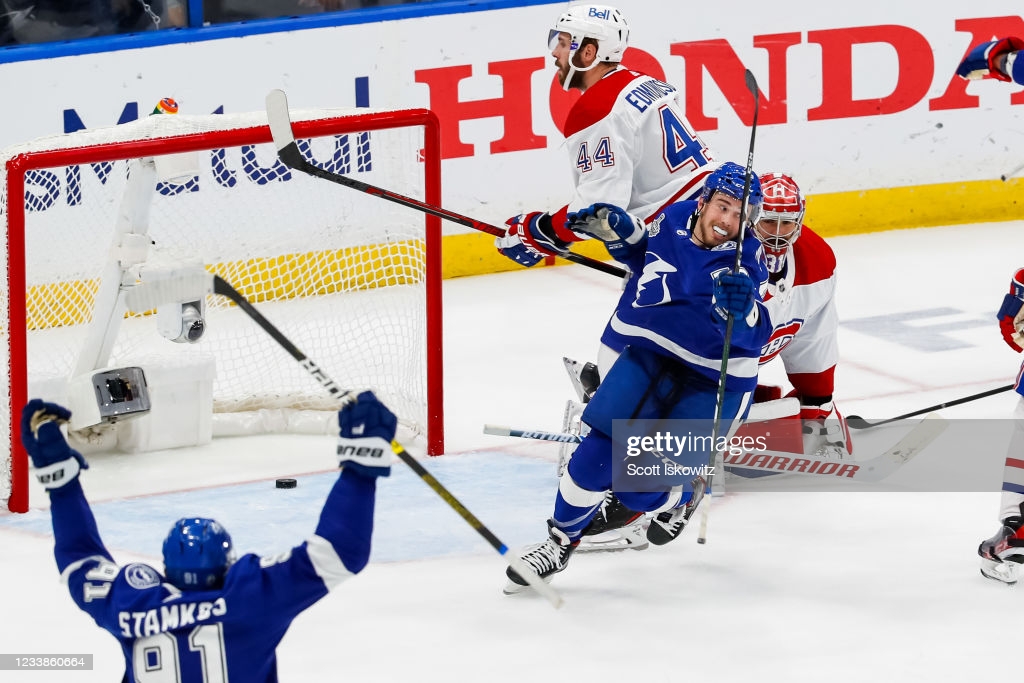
[279,119]
[536,583]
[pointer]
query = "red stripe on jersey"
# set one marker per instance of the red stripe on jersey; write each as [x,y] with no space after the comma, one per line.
[815,260]
[684,193]
[1014,462]
[597,101]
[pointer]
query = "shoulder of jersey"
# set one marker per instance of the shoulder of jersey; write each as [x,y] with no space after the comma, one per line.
[815,260]
[597,102]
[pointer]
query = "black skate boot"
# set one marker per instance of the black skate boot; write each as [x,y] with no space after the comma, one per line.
[667,526]
[545,559]
[614,527]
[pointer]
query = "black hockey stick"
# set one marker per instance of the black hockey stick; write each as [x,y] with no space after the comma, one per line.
[221,287]
[290,154]
[751,82]
[857,422]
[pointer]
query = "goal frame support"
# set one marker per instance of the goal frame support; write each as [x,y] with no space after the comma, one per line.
[20,164]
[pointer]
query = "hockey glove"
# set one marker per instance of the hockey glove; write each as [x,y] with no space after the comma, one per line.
[620,231]
[529,239]
[55,462]
[367,429]
[1011,318]
[980,62]
[735,294]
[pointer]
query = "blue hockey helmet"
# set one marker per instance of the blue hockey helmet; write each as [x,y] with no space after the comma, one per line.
[729,179]
[197,553]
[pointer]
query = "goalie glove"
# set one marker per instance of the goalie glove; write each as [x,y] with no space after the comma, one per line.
[1010,315]
[982,61]
[529,239]
[55,462]
[621,232]
[366,430]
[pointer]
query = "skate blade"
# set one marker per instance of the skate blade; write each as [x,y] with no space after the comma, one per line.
[611,546]
[512,588]
[1004,572]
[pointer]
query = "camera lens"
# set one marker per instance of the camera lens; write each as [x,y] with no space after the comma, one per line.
[119,390]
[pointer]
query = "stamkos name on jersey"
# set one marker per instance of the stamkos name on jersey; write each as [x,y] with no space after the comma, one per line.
[647,92]
[168,617]
[784,463]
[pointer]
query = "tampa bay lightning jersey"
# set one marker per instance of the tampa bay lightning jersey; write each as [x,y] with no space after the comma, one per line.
[668,304]
[227,634]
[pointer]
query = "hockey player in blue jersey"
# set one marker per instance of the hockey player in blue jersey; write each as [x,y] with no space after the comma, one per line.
[671,326]
[209,617]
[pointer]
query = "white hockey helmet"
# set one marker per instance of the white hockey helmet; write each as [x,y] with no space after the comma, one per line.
[602,23]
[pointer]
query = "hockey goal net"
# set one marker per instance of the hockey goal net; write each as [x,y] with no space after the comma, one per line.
[353,280]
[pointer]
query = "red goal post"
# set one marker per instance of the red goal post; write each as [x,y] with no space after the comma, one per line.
[315,257]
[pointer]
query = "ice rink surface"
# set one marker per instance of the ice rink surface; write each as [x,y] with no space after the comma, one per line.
[790,586]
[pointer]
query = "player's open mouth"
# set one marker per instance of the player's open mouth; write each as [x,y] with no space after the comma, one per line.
[720,231]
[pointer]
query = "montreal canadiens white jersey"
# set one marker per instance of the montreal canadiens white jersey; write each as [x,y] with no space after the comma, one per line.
[804,318]
[630,145]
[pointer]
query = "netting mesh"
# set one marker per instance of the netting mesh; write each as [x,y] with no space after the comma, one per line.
[341,273]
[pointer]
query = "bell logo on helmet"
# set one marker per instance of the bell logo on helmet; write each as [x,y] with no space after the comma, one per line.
[600,12]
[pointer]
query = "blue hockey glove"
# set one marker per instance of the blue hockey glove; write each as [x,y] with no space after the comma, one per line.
[1011,320]
[54,461]
[736,294]
[620,231]
[525,241]
[367,429]
[980,62]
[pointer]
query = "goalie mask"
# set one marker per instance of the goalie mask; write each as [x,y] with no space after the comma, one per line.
[601,23]
[782,214]
[197,554]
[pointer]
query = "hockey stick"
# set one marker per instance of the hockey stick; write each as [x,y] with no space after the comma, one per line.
[559,437]
[289,153]
[146,298]
[751,82]
[857,422]
[782,462]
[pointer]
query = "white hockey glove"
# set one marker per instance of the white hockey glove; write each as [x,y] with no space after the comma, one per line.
[367,429]
[621,232]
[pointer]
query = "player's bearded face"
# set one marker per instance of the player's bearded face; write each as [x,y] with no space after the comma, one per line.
[561,47]
[719,220]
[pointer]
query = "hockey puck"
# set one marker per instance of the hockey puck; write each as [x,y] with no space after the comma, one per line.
[286,483]
[701,541]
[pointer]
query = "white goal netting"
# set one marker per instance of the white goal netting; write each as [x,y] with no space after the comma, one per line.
[342,273]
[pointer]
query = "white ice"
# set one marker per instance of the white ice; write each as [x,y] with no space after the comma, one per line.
[789,587]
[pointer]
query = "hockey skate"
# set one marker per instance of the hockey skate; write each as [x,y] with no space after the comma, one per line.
[668,525]
[614,527]
[1002,555]
[546,559]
